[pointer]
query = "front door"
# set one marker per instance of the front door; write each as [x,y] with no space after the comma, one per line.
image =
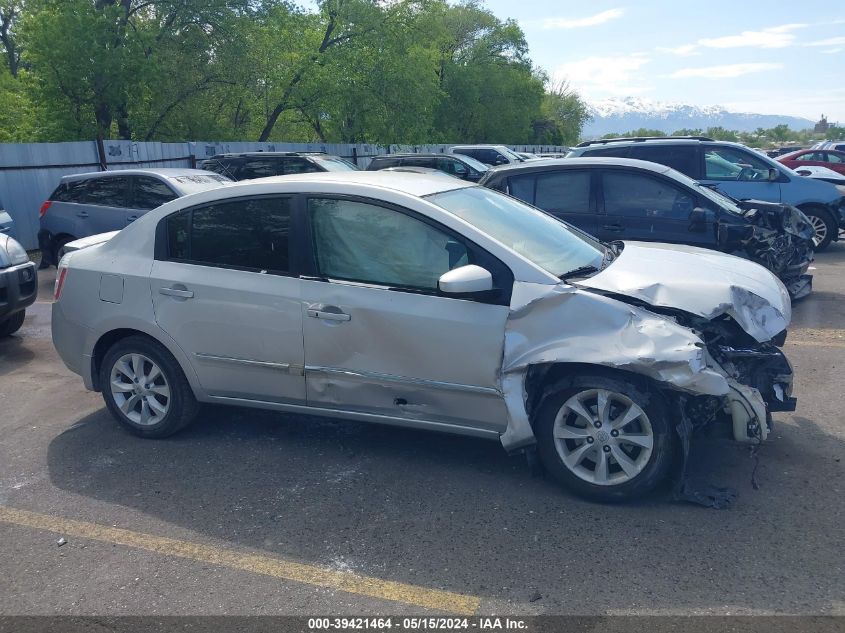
[221,287]
[640,206]
[379,337]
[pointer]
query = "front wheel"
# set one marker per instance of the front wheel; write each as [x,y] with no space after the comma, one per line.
[825,227]
[145,389]
[604,438]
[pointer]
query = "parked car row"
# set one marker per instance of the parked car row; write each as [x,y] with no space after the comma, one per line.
[468,282]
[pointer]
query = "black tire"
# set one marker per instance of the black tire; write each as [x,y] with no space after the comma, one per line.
[182,405]
[58,246]
[655,469]
[12,324]
[823,215]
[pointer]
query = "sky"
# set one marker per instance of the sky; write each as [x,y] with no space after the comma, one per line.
[763,56]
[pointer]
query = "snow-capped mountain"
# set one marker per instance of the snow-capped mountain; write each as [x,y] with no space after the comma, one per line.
[631,113]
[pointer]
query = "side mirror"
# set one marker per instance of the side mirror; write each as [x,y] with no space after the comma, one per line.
[698,220]
[501,160]
[470,279]
[774,174]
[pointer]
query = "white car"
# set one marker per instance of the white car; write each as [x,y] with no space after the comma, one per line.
[427,302]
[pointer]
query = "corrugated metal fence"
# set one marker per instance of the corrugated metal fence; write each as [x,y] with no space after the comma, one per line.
[30,172]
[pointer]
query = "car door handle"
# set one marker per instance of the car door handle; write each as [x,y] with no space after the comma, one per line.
[329,316]
[616,228]
[82,214]
[177,292]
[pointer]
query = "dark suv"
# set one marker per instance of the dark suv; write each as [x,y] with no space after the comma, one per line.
[457,165]
[737,171]
[623,199]
[248,165]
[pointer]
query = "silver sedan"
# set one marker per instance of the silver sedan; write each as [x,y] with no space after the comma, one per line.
[427,302]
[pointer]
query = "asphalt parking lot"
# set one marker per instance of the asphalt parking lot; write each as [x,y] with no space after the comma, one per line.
[251,512]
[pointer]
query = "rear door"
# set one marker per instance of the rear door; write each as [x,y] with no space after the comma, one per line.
[739,173]
[642,206]
[223,287]
[103,206]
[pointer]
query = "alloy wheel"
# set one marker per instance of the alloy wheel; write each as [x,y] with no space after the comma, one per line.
[603,437]
[820,228]
[140,389]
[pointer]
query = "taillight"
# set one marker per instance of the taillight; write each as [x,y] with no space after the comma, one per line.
[61,275]
[43,210]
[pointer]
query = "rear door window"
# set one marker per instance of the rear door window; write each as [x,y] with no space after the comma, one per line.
[562,192]
[107,192]
[683,158]
[299,166]
[418,161]
[618,152]
[246,234]
[259,168]
[522,187]
[73,191]
[383,163]
[150,193]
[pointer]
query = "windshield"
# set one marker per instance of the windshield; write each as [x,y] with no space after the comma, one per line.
[512,154]
[477,165]
[335,163]
[550,244]
[715,196]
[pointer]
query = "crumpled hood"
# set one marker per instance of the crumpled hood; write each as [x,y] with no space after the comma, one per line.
[699,281]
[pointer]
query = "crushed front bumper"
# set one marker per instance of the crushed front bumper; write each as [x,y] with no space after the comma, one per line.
[760,383]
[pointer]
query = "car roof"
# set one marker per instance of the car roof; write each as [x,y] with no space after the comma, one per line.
[599,161]
[163,172]
[415,184]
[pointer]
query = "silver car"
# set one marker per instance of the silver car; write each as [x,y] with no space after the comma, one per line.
[92,203]
[427,302]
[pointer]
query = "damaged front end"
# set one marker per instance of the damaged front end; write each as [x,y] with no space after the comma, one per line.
[777,236]
[759,377]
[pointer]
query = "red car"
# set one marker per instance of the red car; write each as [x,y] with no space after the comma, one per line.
[830,158]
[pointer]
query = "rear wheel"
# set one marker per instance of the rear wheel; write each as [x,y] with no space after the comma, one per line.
[604,438]
[59,246]
[12,324]
[824,224]
[145,389]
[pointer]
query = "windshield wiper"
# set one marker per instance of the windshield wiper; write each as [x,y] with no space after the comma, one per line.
[579,272]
